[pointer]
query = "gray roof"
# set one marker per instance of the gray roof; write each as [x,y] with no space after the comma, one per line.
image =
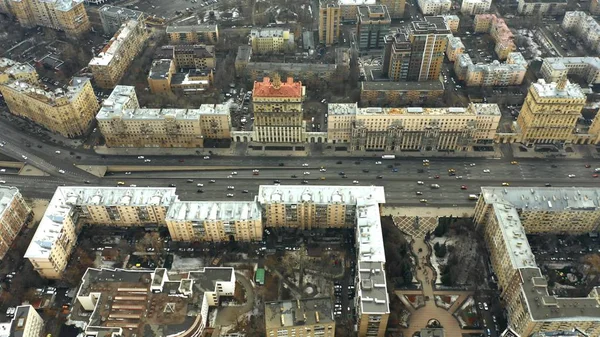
[307,311]
[7,194]
[192,28]
[160,69]
[403,86]
[372,288]
[553,199]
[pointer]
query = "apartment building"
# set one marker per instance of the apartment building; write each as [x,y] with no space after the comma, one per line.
[349,8]
[397,55]
[373,23]
[550,112]
[401,93]
[67,112]
[395,8]
[512,72]
[115,302]
[124,126]
[497,28]
[113,17]
[14,214]
[555,68]
[542,7]
[330,16]
[242,58]
[26,322]
[474,7]
[584,27]
[434,7]
[506,215]
[309,317]
[397,129]
[277,109]
[220,221]
[66,15]
[455,48]
[109,66]
[461,66]
[271,40]
[452,21]
[193,34]
[595,7]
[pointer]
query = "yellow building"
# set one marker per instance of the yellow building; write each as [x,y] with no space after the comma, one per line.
[307,317]
[455,48]
[278,111]
[14,214]
[109,66]
[452,21]
[67,112]
[271,40]
[68,15]
[204,34]
[550,112]
[220,221]
[506,216]
[397,129]
[164,78]
[160,76]
[330,16]
[26,322]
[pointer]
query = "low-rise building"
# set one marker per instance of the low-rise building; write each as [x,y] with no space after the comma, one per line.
[497,28]
[397,129]
[14,214]
[434,7]
[373,23]
[474,7]
[242,58]
[401,93]
[113,17]
[271,40]
[116,302]
[455,48]
[542,7]
[193,34]
[452,21]
[584,27]
[308,317]
[109,66]
[219,221]
[461,66]
[555,68]
[512,72]
[68,112]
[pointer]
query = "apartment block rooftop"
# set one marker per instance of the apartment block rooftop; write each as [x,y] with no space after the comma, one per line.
[307,311]
[403,86]
[430,25]
[550,199]
[11,67]
[373,14]
[555,90]
[7,194]
[268,32]
[369,237]
[559,63]
[66,198]
[51,97]
[161,114]
[199,28]
[294,194]
[122,12]
[122,97]
[353,109]
[372,288]
[113,47]
[214,211]
[160,69]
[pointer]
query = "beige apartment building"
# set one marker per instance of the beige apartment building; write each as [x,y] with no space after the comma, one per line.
[271,40]
[109,66]
[307,317]
[14,214]
[194,34]
[277,109]
[394,7]
[550,112]
[26,322]
[69,16]
[511,72]
[386,93]
[506,215]
[397,129]
[124,124]
[215,221]
[330,16]
[555,68]
[67,112]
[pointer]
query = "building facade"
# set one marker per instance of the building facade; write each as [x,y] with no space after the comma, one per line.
[497,28]
[474,7]
[124,124]
[67,15]
[67,112]
[434,7]
[109,66]
[394,7]
[26,323]
[506,215]
[453,22]
[595,7]
[277,106]
[397,129]
[429,40]
[555,68]
[373,23]
[304,317]
[14,214]
[550,112]
[584,27]
[271,40]
[330,16]
[455,48]
[542,7]
[113,17]
[496,74]
[195,34]
[215,221]
[396,94]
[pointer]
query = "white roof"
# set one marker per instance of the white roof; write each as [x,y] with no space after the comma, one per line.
[294,194]
[105,57]
[547,90]
[219,210]
[7,194]
[369,238]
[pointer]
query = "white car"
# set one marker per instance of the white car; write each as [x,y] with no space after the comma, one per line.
[323,170]
[229,176]
[24,157]
[355,182]
[127,173]
[486,171]
[231,187]
[420,183]
[305,165]
[426,160]
[133,185]
[206,157]
[147,160]
[140,157]
[572,176]
[377,163]
[61,171]
[234,173]
[229,195]
[472,164]
[57,152]
[2,181]
[200,185]
[306,173]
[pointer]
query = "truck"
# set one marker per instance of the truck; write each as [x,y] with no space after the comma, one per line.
[473,197]
[435,186]
[388,156]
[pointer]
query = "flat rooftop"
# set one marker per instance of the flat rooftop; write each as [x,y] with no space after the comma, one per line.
[160,69]
[308,311]
[372,288]
[573,61]
[7,194]
[122,97]
[161,114]
[48,96]
[403,86]
[369,237]
[210,211]
[268,32]
[551,199]
[431,25]
[113,47]
[200,28]
[353,109]
[121,12]
[551,90]
[294,194]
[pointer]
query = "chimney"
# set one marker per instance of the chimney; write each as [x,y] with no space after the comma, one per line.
[276,81]
[562,83]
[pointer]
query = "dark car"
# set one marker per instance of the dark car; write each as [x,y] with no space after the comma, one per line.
[379,177]
[366,171]
[281,164]
[172,185]
[294,176]
[200,191]
[304,182]
[339,162]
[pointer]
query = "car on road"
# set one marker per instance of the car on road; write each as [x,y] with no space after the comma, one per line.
[426,160]
[229,195]
[463,187]
[57,152]
[420,183]
[377,163]
[379,177]
[281,164]
[255,172]
[306,173]
[595,175]
[548,185]
[322,178]
[2,181]
[212,181]
[140,157]
[190,180]
[24,157]
[172,185]
[294,176]
[436,177]
[588,165]
[505,184]
[304,182]
[423,200]
[147,160]
[61,171]
[355,182]
[230,176]
[472,164]
[365,171]
[459,177]
[206,157]
[87,182]
[572,176]
[394,170]
[231,187]
[200,185]
[234,173]
[339,162]
[305,165]
[120,183]
[486,171]
[480,306]
[127,173]
[200,191]
[514,162]
[485,306]
[419,193]
[245,191]
[322,169]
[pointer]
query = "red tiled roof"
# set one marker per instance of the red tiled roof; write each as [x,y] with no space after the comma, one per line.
[287,89]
